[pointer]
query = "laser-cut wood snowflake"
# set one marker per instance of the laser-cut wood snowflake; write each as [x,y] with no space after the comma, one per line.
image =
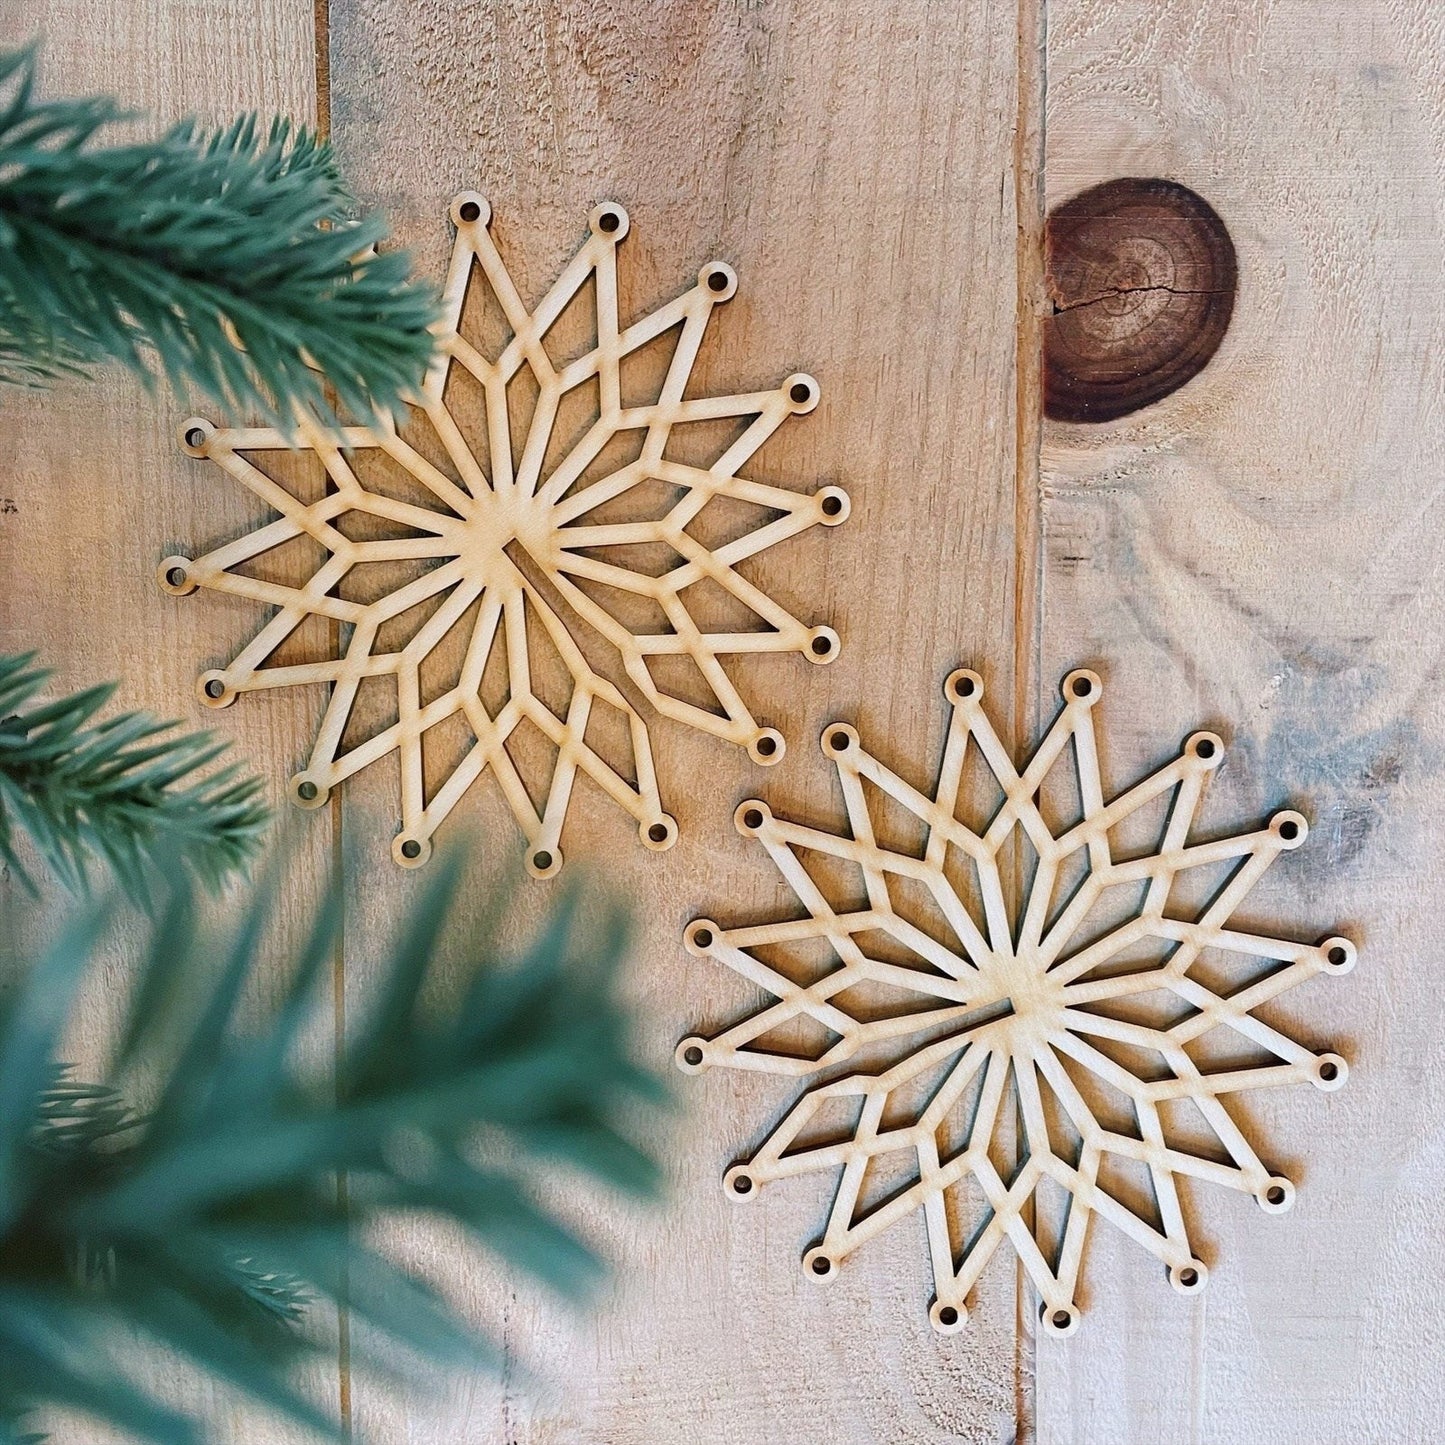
[493,513]
[1023,1006]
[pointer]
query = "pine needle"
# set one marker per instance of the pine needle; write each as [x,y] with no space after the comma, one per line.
[122,788]
[224,260]
[210,1226]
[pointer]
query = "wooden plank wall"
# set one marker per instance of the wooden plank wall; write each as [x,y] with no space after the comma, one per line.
[1264,551]
[101,491]
[1260,552]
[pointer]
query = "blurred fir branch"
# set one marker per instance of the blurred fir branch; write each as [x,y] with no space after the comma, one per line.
[224,260]
[122,789]
[207,1225]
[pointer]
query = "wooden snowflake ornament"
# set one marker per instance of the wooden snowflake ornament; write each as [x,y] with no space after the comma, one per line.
[514,544]
[983,1079]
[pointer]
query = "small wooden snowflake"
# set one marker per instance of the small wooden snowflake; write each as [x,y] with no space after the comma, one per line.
[1007,1024]
[509,543]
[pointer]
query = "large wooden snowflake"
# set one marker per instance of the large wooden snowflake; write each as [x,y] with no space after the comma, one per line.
[515,540]
[995,1039]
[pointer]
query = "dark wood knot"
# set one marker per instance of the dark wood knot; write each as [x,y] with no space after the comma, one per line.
[1142,277]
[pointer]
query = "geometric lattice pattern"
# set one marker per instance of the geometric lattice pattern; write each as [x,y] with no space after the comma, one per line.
[998,1039]
[515,545]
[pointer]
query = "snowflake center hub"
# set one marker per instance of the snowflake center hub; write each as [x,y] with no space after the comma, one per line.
[1034,1000]
[501,519]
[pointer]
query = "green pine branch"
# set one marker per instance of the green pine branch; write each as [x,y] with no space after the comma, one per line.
[124,789]
[206,1225]
[227,261]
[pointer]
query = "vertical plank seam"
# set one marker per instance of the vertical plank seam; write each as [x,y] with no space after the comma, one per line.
[1028,160]
[321,13]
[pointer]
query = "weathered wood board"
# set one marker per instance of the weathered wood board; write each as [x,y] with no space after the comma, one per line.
[862,188]
[1261,552]
[95,490]
[1258,553]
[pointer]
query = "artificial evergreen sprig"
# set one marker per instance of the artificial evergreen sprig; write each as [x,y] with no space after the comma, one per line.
[228,260]
[206,1224]
[124,788]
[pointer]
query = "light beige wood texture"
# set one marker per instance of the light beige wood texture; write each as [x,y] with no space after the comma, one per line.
[1261,549]
[523,532]
[955,1009]
[860,183]
[90,479]
[1265,549]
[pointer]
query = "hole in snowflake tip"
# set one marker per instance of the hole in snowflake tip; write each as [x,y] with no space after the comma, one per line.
[1275,1194]
[839,740]
[767,747]
[821,1265]
[1189,1278]
[307,792]
[824,643]
[693,1055]
[802,391]
[409,849]
[609,221]
[658,832]
[753,818]
[195,437]
[948,1315]
[1081,687]
[176,576]
[717,280]
[702,937]
[963,686]
[1205,748]
[742,1184]
[469,211]
[542,860]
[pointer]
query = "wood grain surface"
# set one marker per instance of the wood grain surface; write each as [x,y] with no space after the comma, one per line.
[862,188]
[96,490]
[1260,552]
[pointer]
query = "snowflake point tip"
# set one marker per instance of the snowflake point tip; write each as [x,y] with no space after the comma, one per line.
[963,687]
[751,817]
[174,576]
[823,645]
[691,1055]
[195,435]
[1276,1195]
[718,281]
[802,392]
[699,936]
[658,834]
[739,1184]
[609,221]
[947,1318]
[410,852]
[470,208]
[544,862]
[838,739]
[767,747]
[1060,1319]
[307,792]
[214,689]
[819,1264]
[1082,687]
[834,505]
